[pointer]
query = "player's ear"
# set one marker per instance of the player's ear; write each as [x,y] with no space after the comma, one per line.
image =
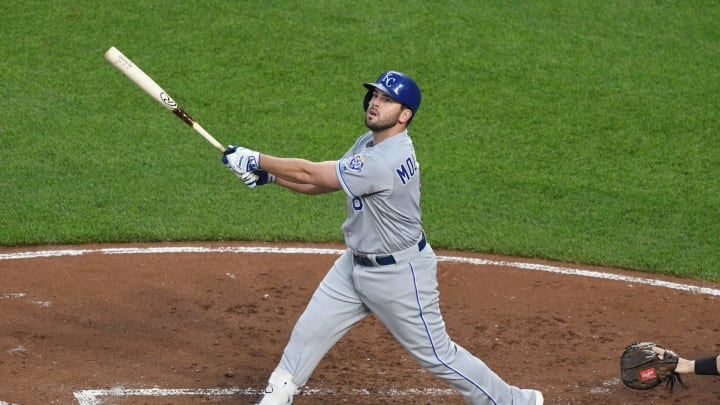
[405,115]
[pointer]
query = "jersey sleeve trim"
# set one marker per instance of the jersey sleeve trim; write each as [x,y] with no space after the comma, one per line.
[339,169]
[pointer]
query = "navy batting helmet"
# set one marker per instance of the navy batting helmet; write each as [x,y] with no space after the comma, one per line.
[399,86]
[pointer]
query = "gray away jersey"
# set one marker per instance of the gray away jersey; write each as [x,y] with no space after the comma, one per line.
[382,183]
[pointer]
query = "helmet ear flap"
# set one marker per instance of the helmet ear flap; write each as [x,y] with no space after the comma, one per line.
[366,101]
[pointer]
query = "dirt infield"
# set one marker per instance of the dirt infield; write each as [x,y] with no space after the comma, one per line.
[206,323]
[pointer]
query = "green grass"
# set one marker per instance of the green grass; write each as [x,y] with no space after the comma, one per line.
[569,130]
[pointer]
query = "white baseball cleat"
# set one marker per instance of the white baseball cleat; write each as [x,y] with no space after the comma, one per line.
[274,396]
[539,400]
[280,389]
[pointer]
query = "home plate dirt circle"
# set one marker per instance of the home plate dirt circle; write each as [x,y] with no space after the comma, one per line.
[206,323]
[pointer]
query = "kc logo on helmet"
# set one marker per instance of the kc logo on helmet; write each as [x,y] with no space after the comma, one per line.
[388,79]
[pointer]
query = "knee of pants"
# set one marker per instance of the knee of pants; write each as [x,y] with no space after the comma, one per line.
[437,359]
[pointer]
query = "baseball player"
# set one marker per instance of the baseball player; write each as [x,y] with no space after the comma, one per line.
[389,268]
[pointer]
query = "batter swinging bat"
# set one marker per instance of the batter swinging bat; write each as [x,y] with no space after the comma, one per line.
[134,73]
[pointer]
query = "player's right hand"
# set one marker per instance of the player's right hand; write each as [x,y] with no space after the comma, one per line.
[257,178]
[249,179]
[263,177]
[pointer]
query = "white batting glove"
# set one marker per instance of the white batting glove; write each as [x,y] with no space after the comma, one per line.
[257,178]
[241,160]
[249,178]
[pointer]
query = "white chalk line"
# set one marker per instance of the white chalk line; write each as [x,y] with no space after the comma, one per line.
[92,397]
[11,296]
[316,251]
[45,304]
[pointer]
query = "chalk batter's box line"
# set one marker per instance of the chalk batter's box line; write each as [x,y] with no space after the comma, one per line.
[278,250]
[91,397]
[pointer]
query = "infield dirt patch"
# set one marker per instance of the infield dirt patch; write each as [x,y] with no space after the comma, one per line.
[216,320]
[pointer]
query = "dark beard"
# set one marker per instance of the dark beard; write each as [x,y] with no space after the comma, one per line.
[380,126]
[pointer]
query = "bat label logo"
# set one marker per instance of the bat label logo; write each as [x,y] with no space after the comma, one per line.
[167,100]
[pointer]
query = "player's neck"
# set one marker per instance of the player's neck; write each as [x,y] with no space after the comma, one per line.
[379,136]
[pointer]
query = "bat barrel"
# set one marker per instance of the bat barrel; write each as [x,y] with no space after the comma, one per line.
[147,84]
[140,78]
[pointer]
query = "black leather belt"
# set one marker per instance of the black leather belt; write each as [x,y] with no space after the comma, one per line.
[384,260]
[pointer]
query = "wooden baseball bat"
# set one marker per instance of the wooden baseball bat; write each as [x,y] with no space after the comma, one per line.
[142,80]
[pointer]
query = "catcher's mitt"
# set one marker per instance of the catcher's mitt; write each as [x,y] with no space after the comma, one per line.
[643,368]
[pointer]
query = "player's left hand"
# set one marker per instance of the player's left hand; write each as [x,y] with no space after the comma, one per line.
[241,160]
